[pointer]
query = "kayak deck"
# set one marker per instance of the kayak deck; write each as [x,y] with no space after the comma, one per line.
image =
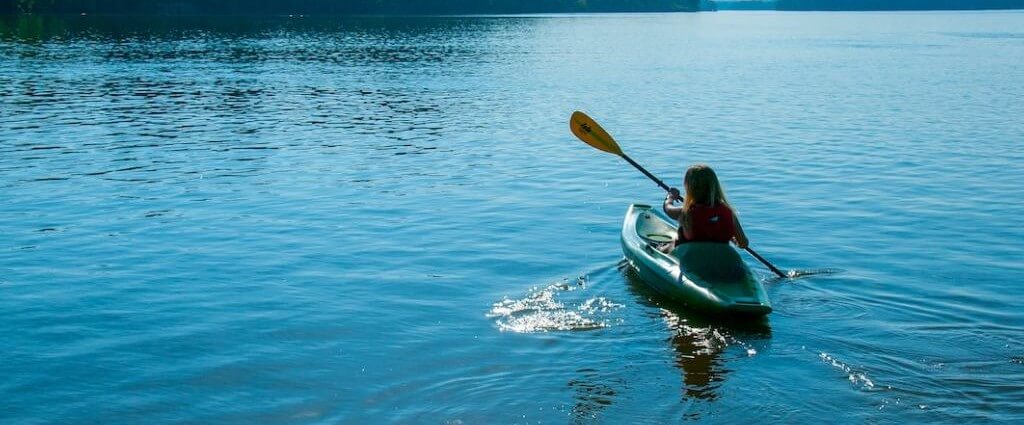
[707,276]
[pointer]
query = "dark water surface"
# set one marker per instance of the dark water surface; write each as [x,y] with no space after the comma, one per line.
[387,219]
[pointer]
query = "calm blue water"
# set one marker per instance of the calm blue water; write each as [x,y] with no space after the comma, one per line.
[387,220]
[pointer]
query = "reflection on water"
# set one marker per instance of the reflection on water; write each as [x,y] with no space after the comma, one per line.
[700,342]
[592,393]
[697,355]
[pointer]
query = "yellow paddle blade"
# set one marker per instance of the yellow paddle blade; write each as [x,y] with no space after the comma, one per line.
[592,134]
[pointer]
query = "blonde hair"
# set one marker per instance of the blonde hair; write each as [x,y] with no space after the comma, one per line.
[702,187]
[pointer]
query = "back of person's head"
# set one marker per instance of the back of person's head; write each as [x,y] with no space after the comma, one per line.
[702,187]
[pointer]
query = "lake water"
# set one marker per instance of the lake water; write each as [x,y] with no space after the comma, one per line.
[296,220]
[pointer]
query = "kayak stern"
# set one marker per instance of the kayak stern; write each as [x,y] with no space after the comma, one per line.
[705,276]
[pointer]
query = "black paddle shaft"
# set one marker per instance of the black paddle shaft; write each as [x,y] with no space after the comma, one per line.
[765,262]
[650,176]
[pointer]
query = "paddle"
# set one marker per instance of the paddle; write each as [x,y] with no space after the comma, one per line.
[587,130]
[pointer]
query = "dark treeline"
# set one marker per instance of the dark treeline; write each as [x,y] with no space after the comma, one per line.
[898,4]
[312,7]
[278,7]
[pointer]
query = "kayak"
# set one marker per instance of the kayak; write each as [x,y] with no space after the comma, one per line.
[706,276]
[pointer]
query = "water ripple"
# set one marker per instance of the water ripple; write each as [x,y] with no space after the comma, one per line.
[345,216]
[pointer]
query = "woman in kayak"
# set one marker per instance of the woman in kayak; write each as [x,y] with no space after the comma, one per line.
[705,215]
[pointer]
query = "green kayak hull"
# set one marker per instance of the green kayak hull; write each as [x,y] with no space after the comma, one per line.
[706,276]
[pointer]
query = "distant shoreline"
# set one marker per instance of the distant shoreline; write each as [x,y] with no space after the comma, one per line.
[726,9]
[348,7]
[468,15]
[472,7]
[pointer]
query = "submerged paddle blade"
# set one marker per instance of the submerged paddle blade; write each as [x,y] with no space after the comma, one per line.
[797,274]
[587,130]
[793,274]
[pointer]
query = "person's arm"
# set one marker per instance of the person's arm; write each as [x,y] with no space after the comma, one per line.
[686,223]
[670,208]
[739,237]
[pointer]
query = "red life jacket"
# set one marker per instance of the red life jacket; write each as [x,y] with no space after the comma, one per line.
[710,224]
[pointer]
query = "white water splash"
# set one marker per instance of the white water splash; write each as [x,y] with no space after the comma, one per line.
[542,310]
[599,305]
[858,379]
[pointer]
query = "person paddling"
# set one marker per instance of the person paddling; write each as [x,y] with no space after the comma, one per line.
[705,215]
